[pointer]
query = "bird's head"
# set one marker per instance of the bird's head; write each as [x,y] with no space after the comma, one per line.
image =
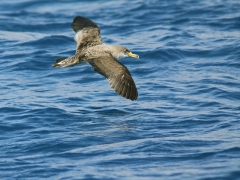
[120,52]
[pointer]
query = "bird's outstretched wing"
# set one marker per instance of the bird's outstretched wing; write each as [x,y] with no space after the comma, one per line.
[117,74]
[87,33]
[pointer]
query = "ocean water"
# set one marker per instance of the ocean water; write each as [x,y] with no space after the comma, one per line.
[69,124]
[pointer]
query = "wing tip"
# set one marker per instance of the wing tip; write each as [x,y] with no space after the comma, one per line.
[57,63]
[128,91]
[80,23]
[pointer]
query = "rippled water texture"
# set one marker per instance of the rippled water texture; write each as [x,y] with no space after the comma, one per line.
[69,124]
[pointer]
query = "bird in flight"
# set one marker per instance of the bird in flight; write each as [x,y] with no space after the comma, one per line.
[102,57]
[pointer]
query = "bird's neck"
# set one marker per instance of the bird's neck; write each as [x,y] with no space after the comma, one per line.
[114,50]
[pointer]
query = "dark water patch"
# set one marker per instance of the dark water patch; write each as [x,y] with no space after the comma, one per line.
[181,21]
[49,42]
[113,112]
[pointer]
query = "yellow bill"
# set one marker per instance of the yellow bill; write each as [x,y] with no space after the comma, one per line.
[130,54]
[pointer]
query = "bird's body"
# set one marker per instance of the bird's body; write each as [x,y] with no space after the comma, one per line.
[101,56]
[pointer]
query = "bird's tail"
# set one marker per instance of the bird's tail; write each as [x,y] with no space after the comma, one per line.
[65,62]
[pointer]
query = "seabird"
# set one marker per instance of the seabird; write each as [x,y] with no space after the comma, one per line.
[101,56]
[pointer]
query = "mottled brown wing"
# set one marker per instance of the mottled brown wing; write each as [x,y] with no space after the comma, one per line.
[117,75]
[87,33]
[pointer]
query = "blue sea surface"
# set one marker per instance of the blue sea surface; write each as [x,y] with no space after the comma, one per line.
[69,124]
